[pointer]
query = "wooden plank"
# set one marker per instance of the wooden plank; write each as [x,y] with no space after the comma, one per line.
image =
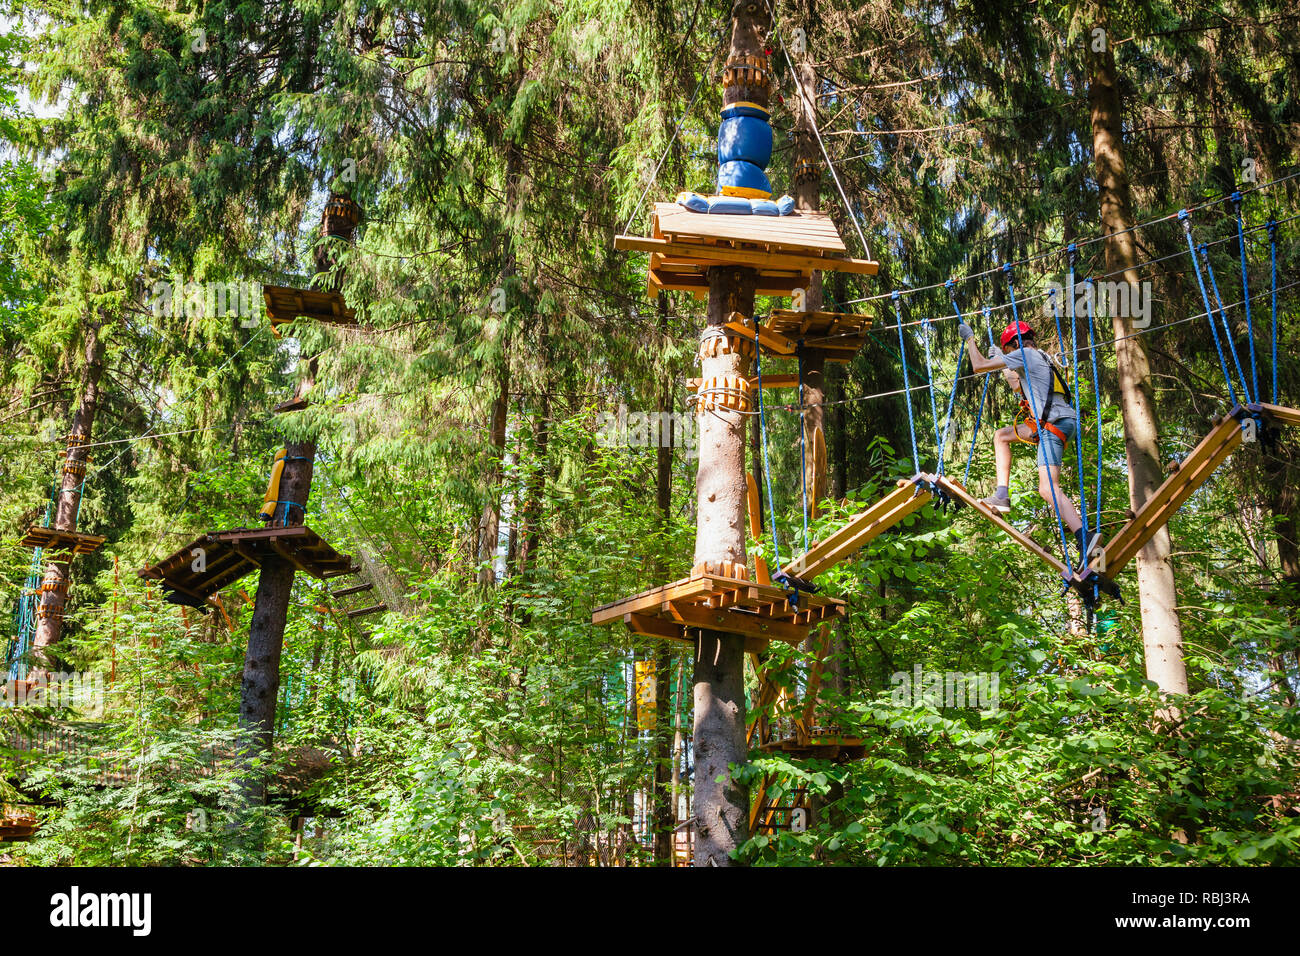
[802,230]
[354,589]
[363,611]
[1281,414]
[905,499]
[1194,471]
[954,489]
[735,622]
[650,599]
[655,627]
[679,253]
[772,341]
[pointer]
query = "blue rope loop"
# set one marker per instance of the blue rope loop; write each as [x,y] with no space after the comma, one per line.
[803,441]
[1096,392]
[767,471]
[1271,225]
[1245,294]
[979,414]
[926,329]
[907,385]
[1185,218]
[1078,441]
[1033,405]
[952,395]
[1223,317]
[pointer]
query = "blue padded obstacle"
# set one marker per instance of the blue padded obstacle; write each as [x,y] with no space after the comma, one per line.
[744,150]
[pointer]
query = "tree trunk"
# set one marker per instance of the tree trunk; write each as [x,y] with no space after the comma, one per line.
[260,687]
[1161,631]
[722,804]
[54,586]
[490,522]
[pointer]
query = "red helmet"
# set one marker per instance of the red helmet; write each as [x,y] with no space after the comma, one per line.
[1013,330]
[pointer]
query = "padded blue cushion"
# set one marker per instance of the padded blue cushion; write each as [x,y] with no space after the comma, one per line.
[729,206]
[693,201]
[764,207]
[739,173]
[746,139]
[785,205]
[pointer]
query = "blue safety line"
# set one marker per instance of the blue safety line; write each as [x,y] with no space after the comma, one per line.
[803,441]
[979,414]
[907,388]
[1223,317]
[767,471]
[1272,257]
[1072,251]
[1096,390]
[1185,217]
[1245,294]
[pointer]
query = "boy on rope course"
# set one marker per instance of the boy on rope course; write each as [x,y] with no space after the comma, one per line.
[1057,423]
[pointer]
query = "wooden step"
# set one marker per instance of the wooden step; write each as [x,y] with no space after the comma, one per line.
[362,611]
[355,589]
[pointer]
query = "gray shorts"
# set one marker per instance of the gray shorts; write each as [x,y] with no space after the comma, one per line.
[1051,450]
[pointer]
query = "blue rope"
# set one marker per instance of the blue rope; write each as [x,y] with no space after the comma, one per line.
[25,611]
[929,380]
[1223,317]
[1185,217]
[1033,405]
[1074,360]
[907,388]
[1245,294]
[956,373]
[979,414]
[1096,392]
[803,440]
[1272,256]
[767,471]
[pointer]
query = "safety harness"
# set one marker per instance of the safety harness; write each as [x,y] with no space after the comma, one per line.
[1025,415]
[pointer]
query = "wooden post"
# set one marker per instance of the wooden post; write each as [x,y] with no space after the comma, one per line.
[54,585]
[722,804]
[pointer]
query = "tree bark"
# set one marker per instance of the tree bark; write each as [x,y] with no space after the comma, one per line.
[54,586]
[260,687]
[721,803]
[1161,630]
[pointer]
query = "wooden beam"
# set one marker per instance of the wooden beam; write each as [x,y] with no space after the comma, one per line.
[955,489]
[772,341]
[757,258]
[651,599]
[907,498]
[1194,471]
[735,622]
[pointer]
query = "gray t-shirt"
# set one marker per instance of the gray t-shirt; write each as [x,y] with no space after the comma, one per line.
[1040,382]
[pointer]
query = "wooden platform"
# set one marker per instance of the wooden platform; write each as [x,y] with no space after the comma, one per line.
[786,250]
[760,612]
[833,747]
[284,305]
[52,539]
[836,335]
[229,555]
[17,823]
